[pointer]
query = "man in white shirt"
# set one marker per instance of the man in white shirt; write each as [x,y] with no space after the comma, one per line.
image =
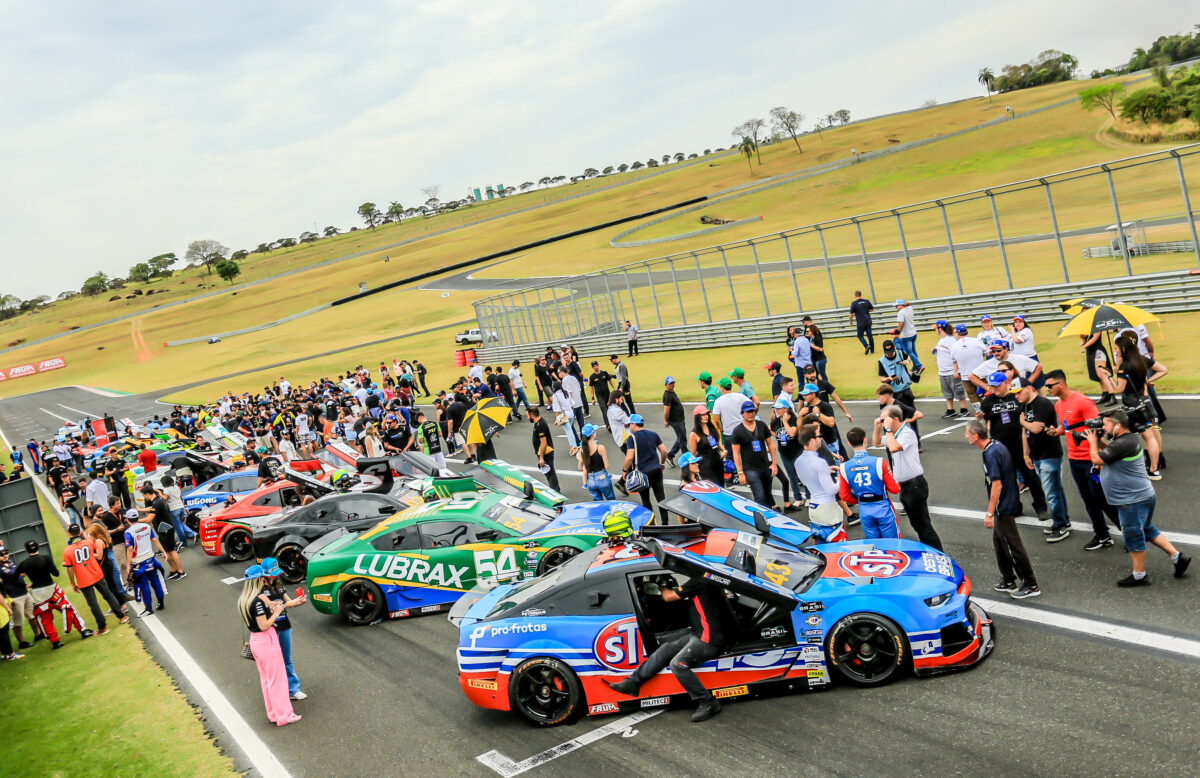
[1027,369]
[631,332]
[952,388]
[824,507]
[728,406]
[518,385]
[574,390]
[968,353]
[476,370]
[285,386]
[906,334]
[97,492]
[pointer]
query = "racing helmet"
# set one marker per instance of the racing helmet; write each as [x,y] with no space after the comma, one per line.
[341,479]
[618,524]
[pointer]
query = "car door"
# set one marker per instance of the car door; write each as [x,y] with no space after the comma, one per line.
[363,511]
[467,551]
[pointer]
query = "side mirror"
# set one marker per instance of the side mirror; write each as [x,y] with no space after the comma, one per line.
[387,510]
[486,535]
[761,525]
[527,488]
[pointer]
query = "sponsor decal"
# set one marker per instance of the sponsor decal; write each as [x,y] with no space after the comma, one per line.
[874,563]
[812,607]
[816,673]
[809,653]
[323,597]
[531,544]
[51,364]
[811,632]
[717,579]
[937,563]
[479,683]
[604,707]
[619,646]
[533,612]
[731,691]
[398,614]
[430,608]
[21,370]
[654,702]
[813,640]
[926,646]
[496,630]
[502,567]
[702,487]
[812,621]
[774,632]
[403,568]
[3,377]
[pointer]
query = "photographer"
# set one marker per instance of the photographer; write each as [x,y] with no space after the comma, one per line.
[1127,486]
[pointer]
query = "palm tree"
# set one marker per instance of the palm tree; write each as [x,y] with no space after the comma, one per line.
[748,147]
[988,79]
[395,211]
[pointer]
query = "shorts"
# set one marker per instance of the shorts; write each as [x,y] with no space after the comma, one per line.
[830,514]
[1137,524]
[168,544]
[952,388]
[307,437]
[22,609]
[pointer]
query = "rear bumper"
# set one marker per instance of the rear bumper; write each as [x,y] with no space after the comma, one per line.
[212,533]
[487,690]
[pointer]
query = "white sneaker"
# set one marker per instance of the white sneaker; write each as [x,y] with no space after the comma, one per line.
[299,696]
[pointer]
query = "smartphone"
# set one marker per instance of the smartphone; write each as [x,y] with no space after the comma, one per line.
[299,591]
[976,407]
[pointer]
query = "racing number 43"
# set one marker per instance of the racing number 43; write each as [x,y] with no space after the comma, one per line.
[777,573]
[502,567]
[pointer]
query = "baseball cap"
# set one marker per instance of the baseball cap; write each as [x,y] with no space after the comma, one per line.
[961,329]
[589,430]
[636,419]
[986,317]
[725,383]
[131,513]
[700,410]
[997,378]
[704,376]
[782,402]
[391,417]
[668,380]
[31,546]
[809,389]
[900,301]
[940,323]
[999,343]
[254,571]
[270,566]
[687,459]
[748,406]
[772,366]
[737,372]
[889,344]
[1016,384]
[73,529]
[1020,316]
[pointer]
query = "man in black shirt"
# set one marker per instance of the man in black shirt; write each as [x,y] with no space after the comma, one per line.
[114,469]
[601,383]
[673,417]
[825,390]
[396,435]
[47,596]
[810,396]
[543,447]
[713,628]
[156,503]
[1044,453]
[503,387]
[887,396]
[754,455]
[860,316]
[541,379]
[13,587]
[422,371]
[1002,411]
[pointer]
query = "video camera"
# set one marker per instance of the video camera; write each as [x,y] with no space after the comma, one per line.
[1092,424]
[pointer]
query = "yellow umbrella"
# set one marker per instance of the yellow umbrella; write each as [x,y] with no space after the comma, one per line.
[1105,317]
[1078,304]
[489,416]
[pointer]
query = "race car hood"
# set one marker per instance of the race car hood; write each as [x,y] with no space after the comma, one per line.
[712,506]
[476,604]
[587,518]
[889,558]
[329,543]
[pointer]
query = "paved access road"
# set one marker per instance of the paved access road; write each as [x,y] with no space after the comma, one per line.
[1055,697]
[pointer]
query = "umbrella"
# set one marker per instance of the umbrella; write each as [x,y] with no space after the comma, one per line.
[1105,317]
[1077,304]
[489,416]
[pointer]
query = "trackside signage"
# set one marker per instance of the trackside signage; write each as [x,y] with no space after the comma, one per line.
[30,368]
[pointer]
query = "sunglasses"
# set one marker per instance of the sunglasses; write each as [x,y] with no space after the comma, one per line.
[1052,385]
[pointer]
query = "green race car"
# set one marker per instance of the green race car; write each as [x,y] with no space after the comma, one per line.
[498,476]
[423,559]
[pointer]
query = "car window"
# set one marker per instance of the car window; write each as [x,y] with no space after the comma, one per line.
[278,498]
[362,507]
[404,539]
[316,513]
[219,487]
[242,483]
[444,534]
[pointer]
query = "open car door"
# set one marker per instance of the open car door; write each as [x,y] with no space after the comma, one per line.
[203,468]
[680,560]
[716,508]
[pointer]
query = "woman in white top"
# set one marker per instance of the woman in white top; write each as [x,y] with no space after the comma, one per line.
[560,403]
[988,333]
[1022,338]
[372,443]
[618,419]
[286,447]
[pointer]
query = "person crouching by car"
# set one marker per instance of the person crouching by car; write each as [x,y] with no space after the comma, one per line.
[1127,485]
[273,587]
[259,613]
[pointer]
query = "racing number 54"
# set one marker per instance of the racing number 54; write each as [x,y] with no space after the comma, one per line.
[488,565]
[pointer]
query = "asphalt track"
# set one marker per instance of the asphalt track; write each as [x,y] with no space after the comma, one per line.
[1050,700]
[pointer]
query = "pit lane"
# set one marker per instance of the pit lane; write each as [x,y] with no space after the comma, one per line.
[385,699]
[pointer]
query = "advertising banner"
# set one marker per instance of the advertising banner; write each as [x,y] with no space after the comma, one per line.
[20,371]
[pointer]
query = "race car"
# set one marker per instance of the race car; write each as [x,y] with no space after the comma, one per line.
[500,476]
[867,612]
[217,481]
[226,529]
[423,559]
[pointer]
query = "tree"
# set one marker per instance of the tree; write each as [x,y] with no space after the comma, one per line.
[228,270]
[787,122]
[930,103]
[591,172]
[842,115]
[330,231]
[395,211]
[205,252]
[1152,103]
[240,254]
[370,214]
[1104,96]
[285,243]
[263,248]
[666,158]
[637,165]
[140,272]
[747,147]
[817,127]
[9,302]
[754,128]
[67,295]
[544,181]
[160,265]
[621,168]
[987,77]
[652,162]
[525,187]
[95,284]
[305,237]
[679,156]
[432,203]
[431,191]
[693,155]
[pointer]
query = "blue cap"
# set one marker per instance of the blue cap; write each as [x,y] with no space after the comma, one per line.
[668,380]
[986,317]
[636,419]
[1001,342]
[391,417]
[589,430]
[688,458]
[253,571]
[941,323]
[961,329]
[900,301]
[270,566]
[997,378]
[809,389]
[748,406]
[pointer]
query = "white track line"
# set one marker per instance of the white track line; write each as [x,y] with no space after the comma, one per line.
[75,410]
[508,768]
[260,756]
[1183,538]
[55,415]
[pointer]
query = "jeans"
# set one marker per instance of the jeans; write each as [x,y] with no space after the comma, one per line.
[759,482]
[521,398]
[680,438]
[285,647]
[1011,556]
[1093,497]
[909,346]
[577,414]
[118,588]
[682,654]
[914,496]
[1050,474]
[788,467]
[600,486]
[1137,524]
[572,436]
[182,530]
[864,337]
[89,594]
[819,364]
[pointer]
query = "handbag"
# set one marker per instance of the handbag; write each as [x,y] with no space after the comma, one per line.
[635,480]
[246,652]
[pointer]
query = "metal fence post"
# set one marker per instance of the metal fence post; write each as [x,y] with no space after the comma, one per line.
[678,296]
[904,248]
[862,245]
[632,302]
[703,291]
[999,237]
[542,311]
[562,328]
[653,294]
[729,280]
[950,245]
[573,297]
[592,299]
[787,247]
[1187,202]
[828,272]
[528,316]
[761,285]
[1062,257]
[1112,193]
[613,302]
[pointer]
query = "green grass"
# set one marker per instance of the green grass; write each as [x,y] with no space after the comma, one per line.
[98,708]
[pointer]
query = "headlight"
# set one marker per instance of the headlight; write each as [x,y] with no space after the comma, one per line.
[938,600]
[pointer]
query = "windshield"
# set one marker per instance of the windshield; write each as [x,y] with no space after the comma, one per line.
[494,482]
[531,590]
[521,516]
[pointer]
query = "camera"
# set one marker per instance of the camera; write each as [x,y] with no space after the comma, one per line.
[1091,424]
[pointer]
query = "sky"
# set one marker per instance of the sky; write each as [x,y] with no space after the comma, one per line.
[132,128]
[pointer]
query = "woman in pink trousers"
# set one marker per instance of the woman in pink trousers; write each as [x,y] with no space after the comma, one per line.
[259,614]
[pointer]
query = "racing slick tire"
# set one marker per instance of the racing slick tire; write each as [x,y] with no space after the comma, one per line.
[192,520]
[238,546]
[555,557]
[867,649]
[546,692]
[292,563]
[361,602]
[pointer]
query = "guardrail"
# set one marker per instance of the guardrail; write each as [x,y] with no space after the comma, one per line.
[1174,292]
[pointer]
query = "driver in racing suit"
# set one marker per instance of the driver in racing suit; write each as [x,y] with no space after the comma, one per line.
[713,627]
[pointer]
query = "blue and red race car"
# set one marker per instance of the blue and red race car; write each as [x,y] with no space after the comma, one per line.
[866,612]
